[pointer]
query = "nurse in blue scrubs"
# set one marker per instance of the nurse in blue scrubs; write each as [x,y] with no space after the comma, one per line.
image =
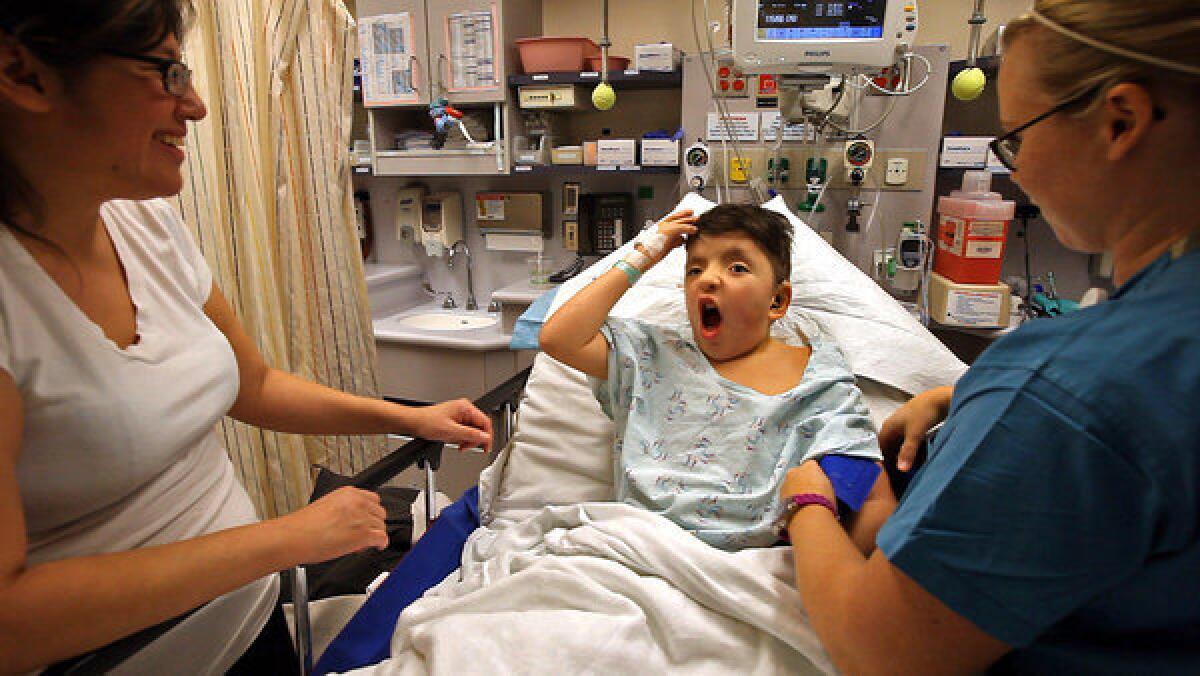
[1055,527]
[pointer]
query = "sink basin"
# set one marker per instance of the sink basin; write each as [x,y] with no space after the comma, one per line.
[444,321]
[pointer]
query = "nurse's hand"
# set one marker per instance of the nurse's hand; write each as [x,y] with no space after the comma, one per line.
[904,431]
[455,422]
[345,521]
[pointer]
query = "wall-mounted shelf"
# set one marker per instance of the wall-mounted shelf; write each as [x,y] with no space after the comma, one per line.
[619,79]
[566,169]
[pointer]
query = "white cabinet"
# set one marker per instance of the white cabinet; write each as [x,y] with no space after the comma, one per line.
[424,373]
[418,51]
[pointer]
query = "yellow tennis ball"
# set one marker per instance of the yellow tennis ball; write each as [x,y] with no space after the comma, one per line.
[968,84]
[603,96]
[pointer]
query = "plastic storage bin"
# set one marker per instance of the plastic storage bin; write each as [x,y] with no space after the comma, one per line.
[972,232]
[614,63]
[555,54]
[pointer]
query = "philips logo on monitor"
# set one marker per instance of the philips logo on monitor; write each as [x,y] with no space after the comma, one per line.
[818,52]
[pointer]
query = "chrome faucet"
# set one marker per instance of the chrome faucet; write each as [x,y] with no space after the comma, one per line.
[454,249]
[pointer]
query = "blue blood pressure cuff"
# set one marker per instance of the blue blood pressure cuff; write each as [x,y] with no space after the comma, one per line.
[852,478]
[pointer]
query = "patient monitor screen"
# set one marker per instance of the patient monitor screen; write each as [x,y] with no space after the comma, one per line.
[800,20]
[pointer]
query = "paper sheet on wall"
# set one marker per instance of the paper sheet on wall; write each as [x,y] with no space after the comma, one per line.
[472,40]
[792,132]
[739,126]
[386,43]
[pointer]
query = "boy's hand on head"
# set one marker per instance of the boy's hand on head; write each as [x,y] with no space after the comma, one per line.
[674,228]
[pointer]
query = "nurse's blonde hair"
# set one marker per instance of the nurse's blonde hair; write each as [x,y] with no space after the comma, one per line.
[1086,44]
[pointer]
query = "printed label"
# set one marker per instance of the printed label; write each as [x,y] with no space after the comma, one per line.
[974,308]
[489,208]
[982,248]
[986,229]
[735,126]
[950,235]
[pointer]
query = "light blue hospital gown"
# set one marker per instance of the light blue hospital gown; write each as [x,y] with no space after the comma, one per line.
[708,453]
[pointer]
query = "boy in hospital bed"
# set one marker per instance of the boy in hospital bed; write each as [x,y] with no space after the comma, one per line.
[710,415]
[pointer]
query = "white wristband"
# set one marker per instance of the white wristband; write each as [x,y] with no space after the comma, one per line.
[638,260]
[652,241]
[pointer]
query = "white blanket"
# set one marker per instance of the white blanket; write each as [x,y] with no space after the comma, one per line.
[605,588]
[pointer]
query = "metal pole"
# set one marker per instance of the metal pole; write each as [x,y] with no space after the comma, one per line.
[976,23]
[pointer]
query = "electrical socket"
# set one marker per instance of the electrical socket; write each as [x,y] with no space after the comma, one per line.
[756,165]
[897,171]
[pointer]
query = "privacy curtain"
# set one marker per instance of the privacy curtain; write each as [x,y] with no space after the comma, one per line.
[269,197]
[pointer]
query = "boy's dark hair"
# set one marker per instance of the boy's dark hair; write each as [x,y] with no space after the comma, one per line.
[771,231]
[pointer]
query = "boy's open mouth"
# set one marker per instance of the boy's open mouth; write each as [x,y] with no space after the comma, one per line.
[710,317]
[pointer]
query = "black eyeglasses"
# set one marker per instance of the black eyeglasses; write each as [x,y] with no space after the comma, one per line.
[1007,146]
[176,76]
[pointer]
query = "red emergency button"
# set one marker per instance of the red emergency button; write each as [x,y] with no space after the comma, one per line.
[723,71]
[724,85]
[739,85]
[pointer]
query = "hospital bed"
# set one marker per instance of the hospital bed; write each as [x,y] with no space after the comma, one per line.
[558,578]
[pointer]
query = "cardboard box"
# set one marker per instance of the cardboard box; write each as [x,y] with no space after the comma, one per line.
[660,152]
[965,152]
[659,57]
[612,152]
[567,155]
[978,306]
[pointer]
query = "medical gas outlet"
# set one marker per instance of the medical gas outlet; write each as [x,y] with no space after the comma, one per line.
[859,156]
[697,165]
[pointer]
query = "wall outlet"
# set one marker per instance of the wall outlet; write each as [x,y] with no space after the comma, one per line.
[571,235]
[740,168]
[897,171]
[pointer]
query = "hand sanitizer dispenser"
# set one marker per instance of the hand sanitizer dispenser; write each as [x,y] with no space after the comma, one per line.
[441,222]
[408,214]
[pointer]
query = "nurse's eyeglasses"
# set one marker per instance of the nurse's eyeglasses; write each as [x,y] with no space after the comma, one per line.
[176,76]
[1007,146]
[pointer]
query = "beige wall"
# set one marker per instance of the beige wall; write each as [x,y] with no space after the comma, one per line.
[634,21]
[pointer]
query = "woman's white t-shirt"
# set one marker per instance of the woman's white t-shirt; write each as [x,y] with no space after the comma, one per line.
[119,448]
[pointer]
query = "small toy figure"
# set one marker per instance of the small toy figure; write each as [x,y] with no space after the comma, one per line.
[445,117]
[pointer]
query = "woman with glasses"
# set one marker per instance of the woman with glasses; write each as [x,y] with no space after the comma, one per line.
[1055,527]
[119,507]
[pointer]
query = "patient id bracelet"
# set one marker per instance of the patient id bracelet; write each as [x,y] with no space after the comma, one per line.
[631,272]
[793,503]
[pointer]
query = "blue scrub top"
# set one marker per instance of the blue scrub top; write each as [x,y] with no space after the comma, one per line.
[1060,509]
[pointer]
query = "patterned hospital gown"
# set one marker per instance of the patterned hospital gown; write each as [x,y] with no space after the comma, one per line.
[708,453]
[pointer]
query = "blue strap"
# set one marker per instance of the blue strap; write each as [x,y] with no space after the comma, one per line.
[529,324]
[366,638]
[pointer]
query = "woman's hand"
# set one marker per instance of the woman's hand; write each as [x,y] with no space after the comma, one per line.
[345,521]
[807,478]
[455,422]
[904,431]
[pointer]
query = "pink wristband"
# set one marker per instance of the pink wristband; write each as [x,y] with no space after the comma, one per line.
[793,504]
